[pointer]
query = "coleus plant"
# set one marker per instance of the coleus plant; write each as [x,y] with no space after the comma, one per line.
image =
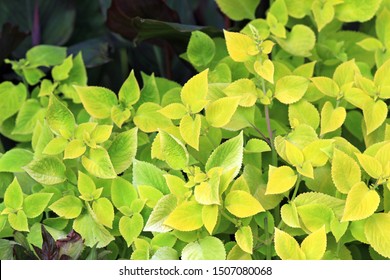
[277,148]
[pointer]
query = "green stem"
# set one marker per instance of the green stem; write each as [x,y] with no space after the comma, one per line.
[229,218]
[271,136]
[268,243]
[296,187]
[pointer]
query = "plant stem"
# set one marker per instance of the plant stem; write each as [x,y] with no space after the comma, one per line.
[268,243]
[296,187]
[229,218]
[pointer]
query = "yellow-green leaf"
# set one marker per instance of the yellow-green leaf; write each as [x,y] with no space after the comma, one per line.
[280,179]
[326,85]
[18,221]
[245,89]
[303,112]
[13,196]
[194,92]
[239,46]
[345,171]
[290,89]
[148,119]
[244,238]
[210,217]
[294,154]
[287,247]
[174,152]
[98,164]
[190,130]
[377,230]
[331,118]
[238,10]
[59,118]
[242,204]
[186,217]
[98,101]
[370,164]
[129,92]
[219,112]
[74,149]
[314,245]
[104,211]
[265,70]
[174,111]
[361,203]
[375,113]
[130,228]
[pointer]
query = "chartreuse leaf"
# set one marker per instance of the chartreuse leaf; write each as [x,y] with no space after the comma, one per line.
[15,159]
[13,196]
[299,42]
[303,112]
[194,92]
[190,130]
[98,101]
[242,204]
[56,146]
[323,13]
[244,239]
[174,152]
[120,115]
[314,152]
[147,174]
[150,194]
[294,154]
[101,133]
[18,221]
[104,211]
[376,230]
[148,119]
[375,113]
[331,118]
[68,207]
[130,228]
[289,215]
[74,149]
[123,149]
[29,114]
[186,217]
[220,112]
[228,155]
[160,213]
[12,98]
[174,111]
[35,204]
[207,248]
[123,193]
[314,245]
[98,164]
[245,89]
[61,72]
[338,229]
[165,253]
[361,203]
[326,85]
[357,10]
[314,216]
[176,185]
[129,92]
[200,49]
[370,164]
[93,233]
[210,217]
[59,118]
[86,186]
[239,10]
[280,179]
[45,55]
[256,146]
[32,75]
[207,192]
[345,171]
[287,247]
[241,47]
[290,89]
[47,170]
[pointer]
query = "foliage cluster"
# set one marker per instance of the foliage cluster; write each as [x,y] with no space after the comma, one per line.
[278,148]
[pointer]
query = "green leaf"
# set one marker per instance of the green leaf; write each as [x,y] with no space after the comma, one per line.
[29,114]
[185,217]
[61,72]
[48,170]
[98,163]
[150,195]
[119,115]
[242,204]
[13,196]
[331,118]
[12,98]
[194,92]
[314,152]
[207,192]
[56,146]
[36,203]
[77,76]
[131,228]
[101,133]
[93,233]
[279,10]
[68,207]
[129,92]
[370,44]
[200,49]
[149,119]
[294,154]
[74,149]
[147,174]
[299,42]
[207,248]
[174,111]
[174,152]
[220,112]
[313,216]
[370,164]
[243,88]
[289,215]
[15,159]
[239,10]
[239,46]
[338,228]
[323,13]
[345,171]
[375,113]
[59,118]
[123,149]
[45,55]
[287,247]
[376,230]
[86,186]
[104,211]
[244,239]
[291,89]
[314,245]
[266,70]
[98,101]
[165,253]
[228,155]
[280,179]
[18,221]
[256,146]
[357,10]
[160,212]
[190,130]
[210,215]
[299,8]
[303,112]
[32,75]
[123,193]
[361,203]
[6,249]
